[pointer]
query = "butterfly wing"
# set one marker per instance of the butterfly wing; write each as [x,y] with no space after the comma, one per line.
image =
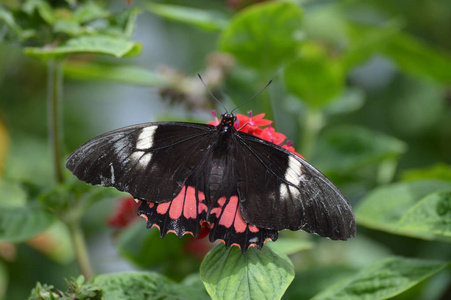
[279,190]
[158,163]
[151,161]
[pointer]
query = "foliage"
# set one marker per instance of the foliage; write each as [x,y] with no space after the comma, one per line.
[362,88]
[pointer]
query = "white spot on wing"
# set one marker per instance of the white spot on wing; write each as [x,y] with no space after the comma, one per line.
[112,173]
[293,172]
[284,188]
[145,138]
[253,240]
[142,158]
[292,175]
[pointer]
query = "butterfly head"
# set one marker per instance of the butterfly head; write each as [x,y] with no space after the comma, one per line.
[228,120]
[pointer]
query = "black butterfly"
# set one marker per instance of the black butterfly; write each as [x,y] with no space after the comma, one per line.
[186,175]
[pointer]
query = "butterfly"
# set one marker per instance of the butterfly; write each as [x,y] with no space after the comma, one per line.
[188,175]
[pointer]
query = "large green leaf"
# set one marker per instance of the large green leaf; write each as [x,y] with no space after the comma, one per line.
[96,44]
[431,215]
[384,207]
[289,246]
[148,285]
[208,20]
[264,35]
[260,274]
[21,224]
[119,73]
[419,58]
[383,279]
[315,79]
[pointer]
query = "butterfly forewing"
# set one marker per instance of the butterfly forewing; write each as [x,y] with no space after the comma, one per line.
[151,161]
[290,193]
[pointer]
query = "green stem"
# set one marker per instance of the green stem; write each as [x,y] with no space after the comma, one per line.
[54,106]
[311,124]
[54,101]
[81,252]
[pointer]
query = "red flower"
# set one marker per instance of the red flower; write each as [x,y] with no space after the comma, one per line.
[250,123]
[124,213]
[270,134]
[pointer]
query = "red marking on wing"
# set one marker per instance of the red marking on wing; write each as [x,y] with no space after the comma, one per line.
[151,204]
[231,215]
[239,224]
[144,216]
[217,210]
[177,205]
[228,214]
[252,228]
[190,207]
[202,206]
[163,208]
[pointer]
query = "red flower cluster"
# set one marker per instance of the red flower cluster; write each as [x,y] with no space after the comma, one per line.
[253,125]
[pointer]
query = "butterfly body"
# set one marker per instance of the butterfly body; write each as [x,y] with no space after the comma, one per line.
[187,175]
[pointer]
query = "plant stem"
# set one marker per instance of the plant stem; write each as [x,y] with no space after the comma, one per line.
[81,252]
[54,106]
[311,124]
[54,101]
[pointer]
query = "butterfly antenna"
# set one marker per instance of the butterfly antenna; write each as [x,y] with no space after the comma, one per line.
[200,77]
[252,97]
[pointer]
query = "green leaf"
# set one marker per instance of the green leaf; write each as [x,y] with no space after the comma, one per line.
[310,282]
[264,35]
[260,274]
[439,171]
[98,44]
[383,208]
[126,20]
[8,18]
[90,11]
[42,7]
[146,285]
[69,27]
[383,279]
[12,194]
[207,20]
[118,73]
[431,215]
[348,148]
[289,246]
[418,58]
[21,224]
[315,79]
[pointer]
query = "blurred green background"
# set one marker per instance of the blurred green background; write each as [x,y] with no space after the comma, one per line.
[361,87]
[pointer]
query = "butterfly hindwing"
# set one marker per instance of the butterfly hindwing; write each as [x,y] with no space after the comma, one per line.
[229,227]
[182,215]
[151,161]
[296,195]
